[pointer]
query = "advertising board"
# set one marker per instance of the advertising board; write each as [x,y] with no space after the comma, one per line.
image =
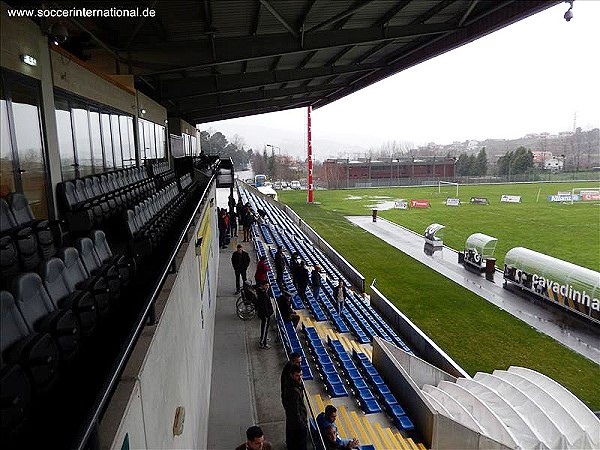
[564,294]
[480,201]
[453,202]
[564,198]
[419,203]
[400,204]
[590,196]
[510,198]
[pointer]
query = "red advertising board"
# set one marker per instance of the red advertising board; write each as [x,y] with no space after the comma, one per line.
[591,197]
[419,203]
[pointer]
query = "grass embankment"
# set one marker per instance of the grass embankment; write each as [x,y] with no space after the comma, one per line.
[476,334]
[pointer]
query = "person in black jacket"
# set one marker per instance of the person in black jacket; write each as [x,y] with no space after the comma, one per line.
[279,264]
[284,303]
[296,421]
[315,281]
[240,260]
[264,311]
[302,280]
[295,358]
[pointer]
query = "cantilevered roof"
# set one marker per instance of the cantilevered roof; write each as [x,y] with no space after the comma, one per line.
[207,60]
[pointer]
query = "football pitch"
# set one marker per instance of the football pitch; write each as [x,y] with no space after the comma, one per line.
[476,334]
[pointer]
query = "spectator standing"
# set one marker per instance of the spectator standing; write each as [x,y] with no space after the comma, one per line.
[248,221]
[296,422]
[339,295]
[284,303]
[231,204]
[262,269]
[240,260]
[302,279]
[295,359]
[279,264]
[315,281]
[255,440]
[294,264]
[264,310]
[222,229]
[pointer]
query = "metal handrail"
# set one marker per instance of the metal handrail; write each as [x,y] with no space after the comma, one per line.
[110,385]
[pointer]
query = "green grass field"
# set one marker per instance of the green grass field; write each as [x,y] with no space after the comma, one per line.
[477,335]
[569,232]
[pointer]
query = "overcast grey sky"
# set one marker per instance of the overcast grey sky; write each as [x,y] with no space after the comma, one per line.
[529,77]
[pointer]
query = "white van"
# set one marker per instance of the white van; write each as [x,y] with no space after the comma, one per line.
[295,185]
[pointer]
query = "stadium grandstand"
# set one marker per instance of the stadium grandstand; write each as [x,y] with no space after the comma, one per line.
[117,307]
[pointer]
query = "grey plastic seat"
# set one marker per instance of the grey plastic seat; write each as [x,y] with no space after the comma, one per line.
[94,266]
[22,236]
[24,217]
[40,313]
[77,278]
[15,399]
[125,266]
[36,353]
[80,302]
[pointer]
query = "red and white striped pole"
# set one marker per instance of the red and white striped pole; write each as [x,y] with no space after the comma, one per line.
[310,164]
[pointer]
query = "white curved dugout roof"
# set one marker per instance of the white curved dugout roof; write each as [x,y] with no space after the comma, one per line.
[519,408]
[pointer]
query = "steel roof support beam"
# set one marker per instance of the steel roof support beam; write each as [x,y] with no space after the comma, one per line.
[233,98]
[226,112]
[357,7]
[138,26]
[235,50]
[280,19]
[199,86]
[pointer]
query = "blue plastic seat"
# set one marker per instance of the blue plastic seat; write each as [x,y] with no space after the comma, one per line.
[404,423]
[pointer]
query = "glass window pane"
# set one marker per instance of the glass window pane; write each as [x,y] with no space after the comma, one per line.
[147,144]
[83,148]
[7,178]
[65,139]
[160,141]
[131,140]
[141,147]
[152,140]
[125,141]
[109,162]
[28,133]
[96,142]
[114,121]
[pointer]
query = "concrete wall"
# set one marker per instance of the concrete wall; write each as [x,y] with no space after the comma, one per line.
[155,112]
[21,36]
[418,341]
[172,361]
[178,126]
[69,75]
[405,375]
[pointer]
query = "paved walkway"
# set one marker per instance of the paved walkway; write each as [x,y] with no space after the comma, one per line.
[245,378]
[546,320]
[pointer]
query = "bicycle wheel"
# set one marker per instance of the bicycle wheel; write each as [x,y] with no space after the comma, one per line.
[244,310]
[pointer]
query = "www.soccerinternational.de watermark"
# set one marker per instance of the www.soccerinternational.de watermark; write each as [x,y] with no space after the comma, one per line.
[81,12]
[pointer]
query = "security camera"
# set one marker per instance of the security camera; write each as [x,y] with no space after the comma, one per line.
[58,33]
[568,15]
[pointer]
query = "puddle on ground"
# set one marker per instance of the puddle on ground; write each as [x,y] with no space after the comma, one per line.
[381,206]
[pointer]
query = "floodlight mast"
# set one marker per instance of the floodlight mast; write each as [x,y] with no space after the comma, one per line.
[310,165]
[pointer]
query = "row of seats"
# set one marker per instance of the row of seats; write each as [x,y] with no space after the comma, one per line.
[152,219]
[47,316]
[381,389]
[24,240]
[327,370]
[88,202]
[158,167]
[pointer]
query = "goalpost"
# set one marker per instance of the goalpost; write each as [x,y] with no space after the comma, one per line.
[452,183]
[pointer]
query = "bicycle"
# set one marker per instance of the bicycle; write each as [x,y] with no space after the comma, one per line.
[245,305]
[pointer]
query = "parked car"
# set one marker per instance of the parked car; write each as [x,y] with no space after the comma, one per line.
[295,185]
